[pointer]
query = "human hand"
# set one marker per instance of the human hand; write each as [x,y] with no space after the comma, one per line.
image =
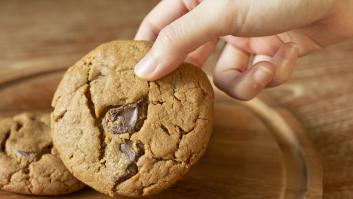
[275,31]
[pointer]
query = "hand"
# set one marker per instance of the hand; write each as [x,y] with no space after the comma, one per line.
[275,31]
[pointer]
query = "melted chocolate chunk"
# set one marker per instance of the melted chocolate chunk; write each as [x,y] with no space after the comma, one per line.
[26,154]
[128,150]
[32,155]
[125,119]
[133,154]
[131,169]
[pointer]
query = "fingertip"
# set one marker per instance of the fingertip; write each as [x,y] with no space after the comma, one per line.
[146,68]
[293,46]
[156,65]
[284,60]
[255,80]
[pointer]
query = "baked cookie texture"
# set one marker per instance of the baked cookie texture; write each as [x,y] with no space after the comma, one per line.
[123,135]
[28,162]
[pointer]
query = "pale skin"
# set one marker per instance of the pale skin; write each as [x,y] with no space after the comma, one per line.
[276,32]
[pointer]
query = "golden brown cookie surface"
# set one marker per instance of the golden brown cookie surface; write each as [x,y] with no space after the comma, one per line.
[123,135]
[28,162]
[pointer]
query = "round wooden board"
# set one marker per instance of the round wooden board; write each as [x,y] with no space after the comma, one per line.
[257,149]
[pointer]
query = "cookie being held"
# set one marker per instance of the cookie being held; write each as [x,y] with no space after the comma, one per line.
[123,135]
[28,162]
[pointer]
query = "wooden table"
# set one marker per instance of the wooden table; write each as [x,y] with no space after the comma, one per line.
[50,33]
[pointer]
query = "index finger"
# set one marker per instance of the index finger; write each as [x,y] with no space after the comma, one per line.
[163,14]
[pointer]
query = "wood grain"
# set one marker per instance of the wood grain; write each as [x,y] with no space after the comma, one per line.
[321,96]
[48,33]
[53,34]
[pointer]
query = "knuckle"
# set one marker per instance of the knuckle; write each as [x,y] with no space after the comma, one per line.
[224,16]
[241,17]
[168,35]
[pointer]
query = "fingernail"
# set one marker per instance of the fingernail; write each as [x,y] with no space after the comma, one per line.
[285,61]
[146,66]
[263,75]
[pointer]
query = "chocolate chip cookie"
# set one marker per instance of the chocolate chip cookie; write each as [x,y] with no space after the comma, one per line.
[28,162]
[123,135]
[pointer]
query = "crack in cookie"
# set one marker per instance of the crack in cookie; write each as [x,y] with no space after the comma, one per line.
[3,141]
[165,129]
[92,110]
[133,152]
